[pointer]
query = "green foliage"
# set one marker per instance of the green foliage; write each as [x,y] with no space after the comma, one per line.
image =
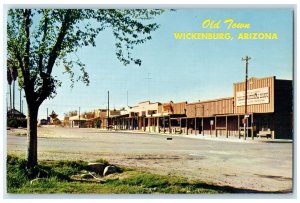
[39,39]
[103,161]
[54,178]
[16,122]
[71,113]
[146,180]
[63,169]
[13,123]
[97,124]
[16,172]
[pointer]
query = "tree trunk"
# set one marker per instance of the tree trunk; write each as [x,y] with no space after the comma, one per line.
[14,94]
[10,104]
[32,135]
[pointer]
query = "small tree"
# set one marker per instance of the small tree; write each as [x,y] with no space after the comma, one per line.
[71,113]
[41,39]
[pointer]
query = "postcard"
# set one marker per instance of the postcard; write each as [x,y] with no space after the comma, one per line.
[150,100]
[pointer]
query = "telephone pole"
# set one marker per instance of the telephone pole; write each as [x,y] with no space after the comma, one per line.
[246,90]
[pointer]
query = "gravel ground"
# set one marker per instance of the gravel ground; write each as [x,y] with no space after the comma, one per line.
[258,166]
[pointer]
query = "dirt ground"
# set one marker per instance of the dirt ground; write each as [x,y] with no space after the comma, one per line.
[258,166]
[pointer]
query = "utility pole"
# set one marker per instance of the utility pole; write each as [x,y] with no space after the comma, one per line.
[107,110]
[195,119]
[246,88]
[202,123]
[79,118]
[47,116]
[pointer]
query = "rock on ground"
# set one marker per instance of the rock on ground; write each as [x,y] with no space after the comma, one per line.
[96,167]
[110,170]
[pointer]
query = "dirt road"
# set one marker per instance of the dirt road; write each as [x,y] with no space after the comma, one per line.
[255,165]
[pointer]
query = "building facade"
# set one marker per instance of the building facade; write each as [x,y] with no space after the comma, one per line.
[269,113]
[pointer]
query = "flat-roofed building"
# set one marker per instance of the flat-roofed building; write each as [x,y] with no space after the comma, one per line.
[269,111]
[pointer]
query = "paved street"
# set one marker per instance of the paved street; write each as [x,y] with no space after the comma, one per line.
[250,165]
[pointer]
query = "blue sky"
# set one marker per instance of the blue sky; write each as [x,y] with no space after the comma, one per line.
[180,70]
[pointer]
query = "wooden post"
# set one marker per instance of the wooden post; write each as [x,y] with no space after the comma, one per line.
[216,126]
[252,126]
[210,129]
[195,125]
[202,123]
[186,126]
[149,124]
[157,124]
[170,130]
[180,123]
[226,128]
[239,132]
[164,124]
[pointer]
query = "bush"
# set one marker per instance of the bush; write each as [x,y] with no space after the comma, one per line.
[13,123]
[97,124]
[17,122]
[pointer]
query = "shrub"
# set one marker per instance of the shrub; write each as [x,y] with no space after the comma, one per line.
[97,124]
[13,123]
[16,122]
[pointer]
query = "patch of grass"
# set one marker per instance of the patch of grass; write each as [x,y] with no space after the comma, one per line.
[54,177]
[16,173]
[103,161]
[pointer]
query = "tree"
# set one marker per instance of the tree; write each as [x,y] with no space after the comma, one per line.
[71,113]
[12,75]
[9,81]
[42,39]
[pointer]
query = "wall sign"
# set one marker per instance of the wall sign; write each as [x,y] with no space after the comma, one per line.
[254,96]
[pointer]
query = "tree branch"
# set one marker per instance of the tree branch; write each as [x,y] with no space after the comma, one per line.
[44,93]
[26,14]
[57,47]
[41,55]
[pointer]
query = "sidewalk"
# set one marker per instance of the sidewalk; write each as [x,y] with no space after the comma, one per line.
[208,137]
